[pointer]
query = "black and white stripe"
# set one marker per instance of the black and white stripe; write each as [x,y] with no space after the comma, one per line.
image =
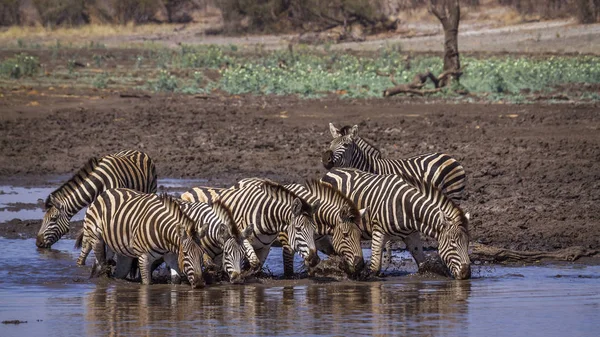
[223,243]
[348,149]
[129,169]
[143,226]
[337,220]
[398,209]
[273,210]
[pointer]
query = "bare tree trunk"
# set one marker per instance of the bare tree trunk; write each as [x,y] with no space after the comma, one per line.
[448,12]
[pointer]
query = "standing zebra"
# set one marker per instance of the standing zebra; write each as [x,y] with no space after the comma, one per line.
[439,170]
[397,209]
[142,226]
[273,210]
[348,149]
[223,243]
[337,217]
[129,168]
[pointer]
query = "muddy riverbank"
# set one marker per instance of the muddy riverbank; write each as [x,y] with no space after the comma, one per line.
[533,169]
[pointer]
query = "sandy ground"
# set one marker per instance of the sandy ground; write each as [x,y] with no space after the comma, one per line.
[533,170]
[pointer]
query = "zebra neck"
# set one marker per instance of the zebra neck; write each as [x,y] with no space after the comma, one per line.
[365,156]
[422,214]
[324,218]
[79,193]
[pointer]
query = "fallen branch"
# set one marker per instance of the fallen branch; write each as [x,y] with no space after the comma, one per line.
[494,254]
[416,86]
[126,95]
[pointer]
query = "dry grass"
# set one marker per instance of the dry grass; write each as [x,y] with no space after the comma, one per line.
[85,32]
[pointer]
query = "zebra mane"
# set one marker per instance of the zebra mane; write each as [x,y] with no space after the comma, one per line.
[174,206]
[446,203]
[226,216]
[375,152]
[275,189]
[77,178]
[323,190]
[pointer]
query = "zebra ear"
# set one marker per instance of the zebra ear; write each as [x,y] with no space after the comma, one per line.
[247,231]
[334,131]
[354,131]
[364,214]
[468,215]
[297,206]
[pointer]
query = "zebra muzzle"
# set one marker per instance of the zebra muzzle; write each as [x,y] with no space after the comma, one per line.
[327,159]
[312,259]
[41,243]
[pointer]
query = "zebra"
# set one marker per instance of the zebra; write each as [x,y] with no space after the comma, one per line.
[143,226]
[130,168]
[439,170]
[337,217]
[397,209]
[272,209]
[223,243]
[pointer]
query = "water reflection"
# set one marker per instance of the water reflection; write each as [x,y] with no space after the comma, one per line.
[376,308]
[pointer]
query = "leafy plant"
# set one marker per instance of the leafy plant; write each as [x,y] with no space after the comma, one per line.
[19,66]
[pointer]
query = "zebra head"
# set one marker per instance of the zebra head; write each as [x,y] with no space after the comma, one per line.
[191,252]
[300,228]
[55,223]
[232,241]
[346,227]
[454,247]
[301,231]
[342,147]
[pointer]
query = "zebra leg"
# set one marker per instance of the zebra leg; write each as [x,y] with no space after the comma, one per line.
[253,259]
[145,261]
[387,257]
[378,241]
[415,247]
[100,266]
[288,256]
[86,248]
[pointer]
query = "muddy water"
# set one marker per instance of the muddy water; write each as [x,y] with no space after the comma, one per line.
[55,297]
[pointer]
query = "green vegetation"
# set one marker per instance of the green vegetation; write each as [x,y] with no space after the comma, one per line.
[307,72]
[19,66]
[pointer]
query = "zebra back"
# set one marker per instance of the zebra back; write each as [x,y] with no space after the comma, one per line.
[128,169]
[440,170]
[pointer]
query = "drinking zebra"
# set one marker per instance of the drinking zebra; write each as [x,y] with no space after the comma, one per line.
[397,209]
[143,226]
[439,170]
[348,149]
[273,210]
[337,218]
[129,168]
[223,243]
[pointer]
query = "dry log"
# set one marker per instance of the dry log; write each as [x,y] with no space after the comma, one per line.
[494,254]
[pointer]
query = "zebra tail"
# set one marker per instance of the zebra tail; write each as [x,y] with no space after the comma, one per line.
[79,239]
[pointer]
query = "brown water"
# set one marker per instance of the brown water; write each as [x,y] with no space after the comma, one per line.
[56,298]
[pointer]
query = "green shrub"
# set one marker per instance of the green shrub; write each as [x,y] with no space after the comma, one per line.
[19,66]
[165,82]
[101,81]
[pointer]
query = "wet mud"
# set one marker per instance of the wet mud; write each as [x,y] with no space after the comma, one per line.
[533,170]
